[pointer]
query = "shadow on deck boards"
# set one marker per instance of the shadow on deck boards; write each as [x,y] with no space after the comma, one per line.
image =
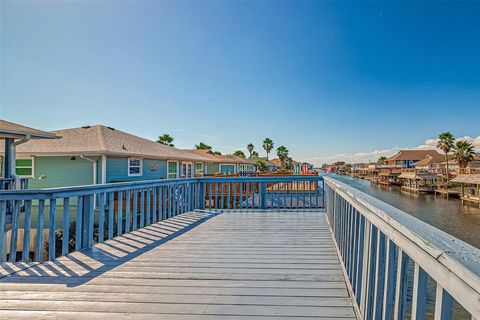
[79,267]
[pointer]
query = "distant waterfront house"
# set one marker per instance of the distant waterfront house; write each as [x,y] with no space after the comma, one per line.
[433,162]
[225,164]
[271,166]
[406,158]
[298,167]
[99,154]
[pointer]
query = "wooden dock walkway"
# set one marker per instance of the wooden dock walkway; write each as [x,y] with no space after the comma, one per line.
[197,265]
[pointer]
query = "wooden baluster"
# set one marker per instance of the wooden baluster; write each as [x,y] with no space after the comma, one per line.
[212,197]
[169,201]
[39,240]
[111,205]
[128,195]
[14,230]
[222,195]
[401,288]
[148,204]
[119,213]
[229,203]
[79,224]
[66,226]
[3,236]
[241,195]
[380,276]
[360,257]
[135,210]
[27,226]
[51,230]
[247,194]
[443,304]
[154,205]
[160,203]
[91,220]
[390,278]
[142,208]
[102,199]
[419,298]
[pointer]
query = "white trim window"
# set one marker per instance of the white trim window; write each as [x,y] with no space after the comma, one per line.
[25,167]
[198,168]
[227,168]
[172,169]
[135,167]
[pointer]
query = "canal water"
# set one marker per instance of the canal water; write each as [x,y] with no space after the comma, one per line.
[450,216]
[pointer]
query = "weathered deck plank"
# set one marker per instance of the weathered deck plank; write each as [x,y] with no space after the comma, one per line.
[230,266]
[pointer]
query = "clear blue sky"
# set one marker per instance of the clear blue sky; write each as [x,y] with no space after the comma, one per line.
[319,77]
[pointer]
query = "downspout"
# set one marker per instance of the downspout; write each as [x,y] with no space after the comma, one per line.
[13,153]
[94,162]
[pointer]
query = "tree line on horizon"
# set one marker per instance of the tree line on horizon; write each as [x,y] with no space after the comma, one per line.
[286,162]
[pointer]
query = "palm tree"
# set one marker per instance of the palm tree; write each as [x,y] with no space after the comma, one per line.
[382,160]
[282,153]
[240,153]
[203,146]
[445,143]
[254,154]
[268,145]
[166,139]
[463,153]
[250,148]
[262,166]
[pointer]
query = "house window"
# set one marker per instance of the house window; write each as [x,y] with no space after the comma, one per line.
[199,168]
[172,170]
[134,167]
[24,167]
[227,168]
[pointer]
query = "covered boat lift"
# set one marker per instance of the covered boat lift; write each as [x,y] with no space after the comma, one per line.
[418,182]
[473,192]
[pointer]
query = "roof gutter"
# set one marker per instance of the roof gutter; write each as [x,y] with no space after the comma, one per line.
[13,156]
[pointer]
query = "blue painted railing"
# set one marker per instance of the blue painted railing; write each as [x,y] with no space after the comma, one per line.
[397,266]
[37,225]
[9,183]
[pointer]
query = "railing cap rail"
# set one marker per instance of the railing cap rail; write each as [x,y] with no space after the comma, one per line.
[60,192]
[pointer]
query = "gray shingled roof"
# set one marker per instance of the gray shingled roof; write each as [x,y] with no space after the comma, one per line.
[215,158]
[413,154]
[99,140]
[17,131]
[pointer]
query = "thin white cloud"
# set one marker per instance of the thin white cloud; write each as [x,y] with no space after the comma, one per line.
[374,155]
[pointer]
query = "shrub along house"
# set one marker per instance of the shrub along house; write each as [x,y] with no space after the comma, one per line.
[99,154]
[226,164]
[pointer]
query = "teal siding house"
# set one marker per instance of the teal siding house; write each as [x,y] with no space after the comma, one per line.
[99,154]
[225,164]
